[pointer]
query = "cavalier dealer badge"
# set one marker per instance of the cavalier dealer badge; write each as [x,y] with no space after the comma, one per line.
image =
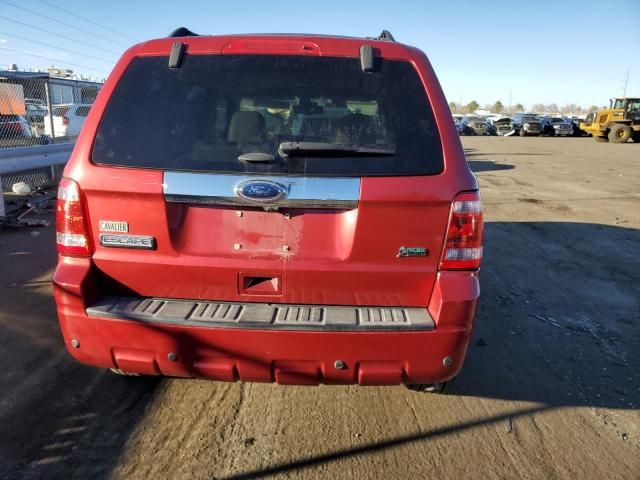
[111,226]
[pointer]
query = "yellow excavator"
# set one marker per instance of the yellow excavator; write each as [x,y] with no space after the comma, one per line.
[616,124]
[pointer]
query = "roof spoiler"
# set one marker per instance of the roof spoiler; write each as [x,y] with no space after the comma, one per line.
[385,35]
[367,62]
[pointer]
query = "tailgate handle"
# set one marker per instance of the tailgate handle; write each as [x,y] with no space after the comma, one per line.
[259,284]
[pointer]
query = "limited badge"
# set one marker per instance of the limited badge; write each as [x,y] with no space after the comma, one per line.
[413,252]
[111,226]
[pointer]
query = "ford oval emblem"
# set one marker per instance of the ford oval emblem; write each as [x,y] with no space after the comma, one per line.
[262,191]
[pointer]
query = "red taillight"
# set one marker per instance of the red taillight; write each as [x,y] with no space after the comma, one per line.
[463,247]
[65,120]
[72,236]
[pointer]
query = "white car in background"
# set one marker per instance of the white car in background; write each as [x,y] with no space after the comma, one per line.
[67,119]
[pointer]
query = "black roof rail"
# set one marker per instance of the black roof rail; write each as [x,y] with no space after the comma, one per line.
[182,32]
[386,36]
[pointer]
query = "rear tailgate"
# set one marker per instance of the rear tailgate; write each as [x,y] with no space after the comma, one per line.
[381,249]
[294,255]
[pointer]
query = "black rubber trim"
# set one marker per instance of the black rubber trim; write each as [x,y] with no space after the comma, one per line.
[267,316]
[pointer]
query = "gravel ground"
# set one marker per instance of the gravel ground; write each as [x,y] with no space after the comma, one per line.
[550,388]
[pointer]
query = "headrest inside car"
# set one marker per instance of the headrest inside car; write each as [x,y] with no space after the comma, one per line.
[246,127]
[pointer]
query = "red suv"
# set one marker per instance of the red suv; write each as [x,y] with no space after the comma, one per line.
[272,208]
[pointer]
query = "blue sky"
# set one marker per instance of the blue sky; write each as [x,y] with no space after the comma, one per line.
[563,51]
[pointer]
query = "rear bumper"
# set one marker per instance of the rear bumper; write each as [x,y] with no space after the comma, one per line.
[268,355]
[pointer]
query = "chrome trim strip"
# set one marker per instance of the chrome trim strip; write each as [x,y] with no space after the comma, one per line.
[219,189]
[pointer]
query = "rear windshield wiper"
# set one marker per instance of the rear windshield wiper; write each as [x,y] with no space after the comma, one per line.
[325,149]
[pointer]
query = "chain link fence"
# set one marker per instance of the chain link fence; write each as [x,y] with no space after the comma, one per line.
[36,178]
[37,109]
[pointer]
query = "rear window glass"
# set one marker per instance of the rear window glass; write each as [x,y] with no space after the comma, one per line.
[215,108]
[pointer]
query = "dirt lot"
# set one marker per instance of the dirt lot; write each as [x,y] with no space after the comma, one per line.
[550,388]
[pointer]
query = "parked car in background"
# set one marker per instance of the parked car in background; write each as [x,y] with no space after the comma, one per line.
[35,101]
[493,117]
[16,126]
[198,239]
[474,125]
[491,129]
[67,119]
[575,124]
[504,126]
[556,126]
[35,115]
[526,124]
[459,125]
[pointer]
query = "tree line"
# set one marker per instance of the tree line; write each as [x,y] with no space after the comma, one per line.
[499,107]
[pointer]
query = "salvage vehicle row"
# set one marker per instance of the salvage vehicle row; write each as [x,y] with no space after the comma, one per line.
[522,124]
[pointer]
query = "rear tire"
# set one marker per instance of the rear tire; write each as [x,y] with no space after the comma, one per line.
[600,139]
[428,387]
[619,133]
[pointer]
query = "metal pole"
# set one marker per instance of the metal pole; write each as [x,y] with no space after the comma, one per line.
[47,91]
[1,199]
